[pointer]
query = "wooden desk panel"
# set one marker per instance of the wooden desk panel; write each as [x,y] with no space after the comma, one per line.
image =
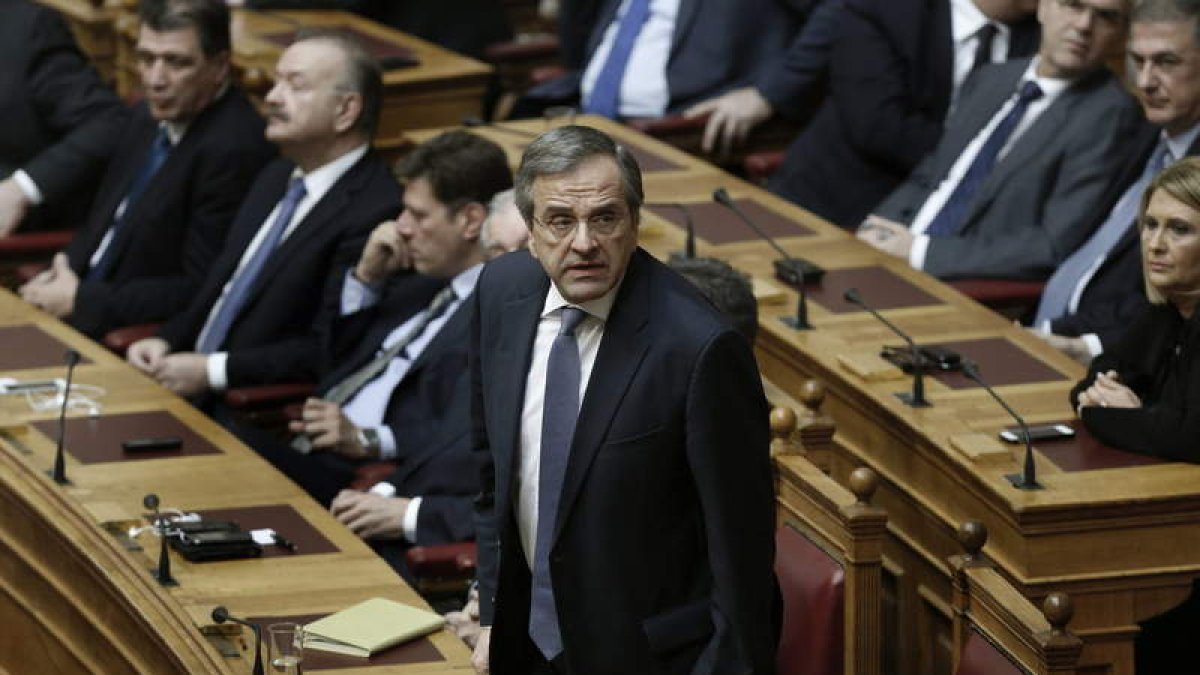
[89,605]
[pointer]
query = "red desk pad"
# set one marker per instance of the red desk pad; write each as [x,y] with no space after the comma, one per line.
[718,225]
[282,518]
[879,286]
[92,440]
[27,346]
[1082,452]
[1000,363]
[416,651]
[390,56]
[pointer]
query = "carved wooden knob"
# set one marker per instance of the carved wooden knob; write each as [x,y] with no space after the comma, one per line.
[1058,610]
[783,422]
[863,483]
[812,395]
[972,535]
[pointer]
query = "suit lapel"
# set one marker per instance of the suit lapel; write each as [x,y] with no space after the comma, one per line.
[129,164]
[688,9]
[621,353]
[510,371]
[993,85]
[934,29]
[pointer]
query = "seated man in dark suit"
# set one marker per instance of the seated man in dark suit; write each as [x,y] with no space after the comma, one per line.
[396,387]
[60,121]
[897,69]
[266,301]
[1030,148]
[657,56]
[1098,292]
[171,190]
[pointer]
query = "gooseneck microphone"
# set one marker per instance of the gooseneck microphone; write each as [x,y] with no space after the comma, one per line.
[471,122]
[689,244]
[221,615]
[59,473]
[916,399]
[1027,478]
[791,270]
[163,573]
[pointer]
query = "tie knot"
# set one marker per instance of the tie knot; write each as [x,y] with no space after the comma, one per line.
[1030,91]
[571,318]
[295,191]
[444,297]
[986,34]
[162,141]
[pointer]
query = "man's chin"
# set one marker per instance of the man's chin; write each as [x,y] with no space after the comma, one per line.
[582,290]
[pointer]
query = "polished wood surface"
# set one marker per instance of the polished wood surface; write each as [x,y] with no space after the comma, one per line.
[92,22]
[1123,542]
[73,600]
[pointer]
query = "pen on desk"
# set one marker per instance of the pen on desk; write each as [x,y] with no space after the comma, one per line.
[282,542]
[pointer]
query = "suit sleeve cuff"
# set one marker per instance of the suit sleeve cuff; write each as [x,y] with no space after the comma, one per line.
[387,443]
[218,379]
[411,514]
[356,295]
[28,187]
[920,249]
[1094,346]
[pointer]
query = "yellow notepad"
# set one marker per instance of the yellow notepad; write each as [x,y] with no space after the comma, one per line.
[370,627]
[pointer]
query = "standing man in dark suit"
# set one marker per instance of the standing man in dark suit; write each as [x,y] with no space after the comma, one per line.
[1031,147]
[626,522]
[1098,292]
[164,208]
[897,69]
[655,56]
[266,301]
[60,121]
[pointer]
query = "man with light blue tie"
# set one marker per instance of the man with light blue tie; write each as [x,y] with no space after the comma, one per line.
[1030,148]
[1097,292]
[265,303]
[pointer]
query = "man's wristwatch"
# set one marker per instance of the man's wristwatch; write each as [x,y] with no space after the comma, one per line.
[368,438]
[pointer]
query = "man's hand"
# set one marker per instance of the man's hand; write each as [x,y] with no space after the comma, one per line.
[886,235]
[1108,392]
[147,354]
[385,254]
[1074,347]
[370,516]
[465,622]
[330,429]
[480,657]
[185,373]
[53,291]
[13,206]
[734,116]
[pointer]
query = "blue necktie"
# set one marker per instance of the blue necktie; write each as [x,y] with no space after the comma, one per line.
[950,218]
[607,91]
[215,332]
[160,147]
[1056,298]
[559,412]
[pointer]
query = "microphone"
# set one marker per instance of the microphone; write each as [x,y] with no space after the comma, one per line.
[689,245]
[1027,479]
[221,615]
[163,573]
[471,122]
[794,271]
[59,473]
[916,399]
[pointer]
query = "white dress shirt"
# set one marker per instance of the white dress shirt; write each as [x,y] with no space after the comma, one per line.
[316,184]
[644,90]
[1051,90]
[966,20]
[587,336]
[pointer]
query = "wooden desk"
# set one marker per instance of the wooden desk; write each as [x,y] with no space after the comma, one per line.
[1123,542]
[441,89]
[73,600]
[93,23]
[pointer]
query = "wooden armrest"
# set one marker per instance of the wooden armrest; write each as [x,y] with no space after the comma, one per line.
[535,47]
[669,125]
[993,292]
[443,560]
[119,340]
[759,166]
[367,475]
[32,243]
[268,395]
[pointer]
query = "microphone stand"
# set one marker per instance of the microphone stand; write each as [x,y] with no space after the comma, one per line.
[221,615]
[59,473]
[689,243]
[1027,478]
[916,399]
[163,573]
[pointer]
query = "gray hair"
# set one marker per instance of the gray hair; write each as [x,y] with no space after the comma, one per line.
[209,18]
[1167,11]
[565,148]
[500,201]
[363,74]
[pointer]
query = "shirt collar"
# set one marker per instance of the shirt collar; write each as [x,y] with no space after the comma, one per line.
[318,181]
[464,283]
[966,19]
[1051,87]
[176,130]
[1179,144]
[599,307]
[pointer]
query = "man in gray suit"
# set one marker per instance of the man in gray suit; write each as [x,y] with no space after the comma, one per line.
[1008,191]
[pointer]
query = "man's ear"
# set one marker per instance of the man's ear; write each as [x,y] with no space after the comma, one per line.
[472,215]
[348,112]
